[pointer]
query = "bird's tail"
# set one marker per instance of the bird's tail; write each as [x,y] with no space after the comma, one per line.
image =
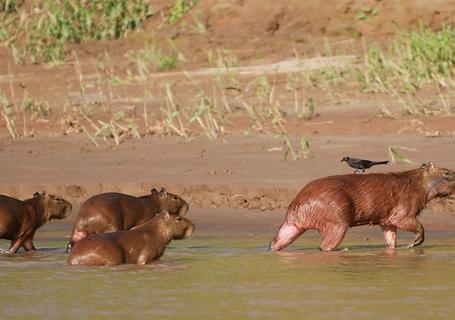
[381,162]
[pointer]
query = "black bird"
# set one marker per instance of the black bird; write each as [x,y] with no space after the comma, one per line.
[360,164]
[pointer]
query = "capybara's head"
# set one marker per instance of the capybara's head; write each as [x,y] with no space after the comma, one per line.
[53,207]
[170,202]
[178,227]
[441,181]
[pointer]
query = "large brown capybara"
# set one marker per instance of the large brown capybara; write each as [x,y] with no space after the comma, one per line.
[20,219]
[140,245]
[333,204]
[107,212]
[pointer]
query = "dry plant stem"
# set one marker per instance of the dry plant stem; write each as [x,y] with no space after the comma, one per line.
[11,87]
[10,125]
[89,136]
[77,67]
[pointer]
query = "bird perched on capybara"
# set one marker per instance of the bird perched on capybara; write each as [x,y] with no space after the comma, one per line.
[361,164]
[20,219]
[140,245]
[333,204]
[107,212]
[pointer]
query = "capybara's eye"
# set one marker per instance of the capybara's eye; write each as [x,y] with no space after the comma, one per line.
[179,218]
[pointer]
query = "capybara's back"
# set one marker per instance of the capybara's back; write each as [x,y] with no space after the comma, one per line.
[392,200]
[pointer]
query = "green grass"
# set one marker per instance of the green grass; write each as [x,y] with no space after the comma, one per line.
[412,60]
[179,9]
[153,55]
[43,32]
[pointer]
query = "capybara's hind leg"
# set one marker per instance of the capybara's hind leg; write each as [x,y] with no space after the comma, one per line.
[28,245]
[413,225]
[390,236]
[15,245]
[332,235]
[286,235]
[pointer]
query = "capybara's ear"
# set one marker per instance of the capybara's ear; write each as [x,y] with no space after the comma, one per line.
[165,215]
[431,167]
[36,195]
[153,191]
[163,192]
[45,195]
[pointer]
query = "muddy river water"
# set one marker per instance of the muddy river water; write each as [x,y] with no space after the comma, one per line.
[225,272]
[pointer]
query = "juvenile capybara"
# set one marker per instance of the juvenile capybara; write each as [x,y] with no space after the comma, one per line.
[333,204]
[20,219]
[140,245]
[107,212]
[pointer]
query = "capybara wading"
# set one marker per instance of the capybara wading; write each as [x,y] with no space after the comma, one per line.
[140,245]
[107,212]
[392,200]
[20,219]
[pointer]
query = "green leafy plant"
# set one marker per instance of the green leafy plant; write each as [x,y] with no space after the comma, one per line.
[50,25]
[179,9]
[367,13]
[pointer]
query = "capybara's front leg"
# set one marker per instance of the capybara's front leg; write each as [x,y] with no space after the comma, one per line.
[332,235]
[390,236]
[287,233]
[413,225]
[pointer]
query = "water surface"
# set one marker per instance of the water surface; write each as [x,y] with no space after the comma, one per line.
[230,275]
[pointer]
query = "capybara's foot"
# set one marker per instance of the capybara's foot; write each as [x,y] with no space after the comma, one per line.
[327,249]
[417,242]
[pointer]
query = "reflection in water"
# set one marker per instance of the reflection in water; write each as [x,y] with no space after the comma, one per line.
[215,276]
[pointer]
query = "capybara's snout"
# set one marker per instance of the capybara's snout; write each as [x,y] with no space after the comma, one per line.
[189,230]
[184,209]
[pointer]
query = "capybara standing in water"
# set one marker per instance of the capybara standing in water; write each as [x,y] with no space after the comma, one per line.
[140,245]
[20,219]
[392,200]
[107,212]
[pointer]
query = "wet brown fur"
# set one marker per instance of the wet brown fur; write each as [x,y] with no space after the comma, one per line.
[19,220]
[112,211]
[140,245]
[392,200]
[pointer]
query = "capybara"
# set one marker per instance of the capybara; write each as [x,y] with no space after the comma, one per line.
[20,219]
[107,212]
[333,204]
[140,245]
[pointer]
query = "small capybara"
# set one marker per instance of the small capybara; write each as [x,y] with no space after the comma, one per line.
[107,212]
[20,219]
[333,204]
[140,245]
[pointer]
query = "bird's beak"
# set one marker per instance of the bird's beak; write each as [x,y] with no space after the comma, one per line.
[341,160]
